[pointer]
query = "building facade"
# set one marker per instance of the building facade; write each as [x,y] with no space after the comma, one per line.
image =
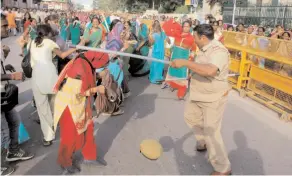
[260,12]
[18,3]
[56,4]
[45,4]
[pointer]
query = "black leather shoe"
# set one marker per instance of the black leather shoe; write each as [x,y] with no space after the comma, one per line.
[97,162]
[201,148]
[70,170]
[47,143]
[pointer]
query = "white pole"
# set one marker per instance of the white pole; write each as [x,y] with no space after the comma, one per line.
[175,79]
[105,22]
[119,53]
[234,8]
[134,56]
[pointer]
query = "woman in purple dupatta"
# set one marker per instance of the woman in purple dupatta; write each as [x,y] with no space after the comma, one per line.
[115,43]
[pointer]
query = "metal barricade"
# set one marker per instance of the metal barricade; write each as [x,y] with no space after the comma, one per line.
[265,70]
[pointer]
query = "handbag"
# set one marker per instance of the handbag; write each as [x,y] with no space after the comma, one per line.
[61,63]
[135,64]
[23,135]
[25,64]
[9,98]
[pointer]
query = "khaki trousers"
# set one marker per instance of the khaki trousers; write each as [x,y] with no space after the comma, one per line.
[205,119]
[45,109]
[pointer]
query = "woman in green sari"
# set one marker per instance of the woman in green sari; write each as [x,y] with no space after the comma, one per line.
[93,35]
[64,27]
[75,31]
[143,46]
[32,29]
[141,67]
[28,35]
[184,48]
[129,41]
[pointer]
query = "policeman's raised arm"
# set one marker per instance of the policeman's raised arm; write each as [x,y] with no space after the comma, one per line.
[209,70]
[209,61]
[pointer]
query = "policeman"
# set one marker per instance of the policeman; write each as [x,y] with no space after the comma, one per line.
[208,96]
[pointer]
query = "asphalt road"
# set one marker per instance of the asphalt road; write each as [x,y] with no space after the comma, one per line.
[256,140]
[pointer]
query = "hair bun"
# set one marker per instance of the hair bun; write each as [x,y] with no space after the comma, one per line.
[40,34]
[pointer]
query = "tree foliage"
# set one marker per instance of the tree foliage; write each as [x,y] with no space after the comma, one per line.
[182,10]
[170,6]
[36,1]
[79,6]
[109,5]
[213,2]
[138,6]
[95,4]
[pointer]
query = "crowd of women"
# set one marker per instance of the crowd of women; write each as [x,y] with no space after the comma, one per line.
[66,81]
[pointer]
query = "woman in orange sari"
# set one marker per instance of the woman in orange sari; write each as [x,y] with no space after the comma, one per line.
[75,87]
[184,48]
[11,21]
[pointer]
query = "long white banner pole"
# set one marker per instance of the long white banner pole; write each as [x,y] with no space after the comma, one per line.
[105,22]
[129,55]
[120,53]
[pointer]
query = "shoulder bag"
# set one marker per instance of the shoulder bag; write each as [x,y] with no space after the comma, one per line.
[9,98]
[25,64]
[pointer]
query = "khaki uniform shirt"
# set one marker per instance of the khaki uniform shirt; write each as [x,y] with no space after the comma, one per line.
[210,89]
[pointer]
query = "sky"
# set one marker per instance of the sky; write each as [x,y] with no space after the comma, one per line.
[85,2]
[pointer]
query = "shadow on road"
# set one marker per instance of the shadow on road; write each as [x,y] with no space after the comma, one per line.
[46,157]
[112,126]
[24,97]
[186,165]
[28,116]
[46,161]
[244,160]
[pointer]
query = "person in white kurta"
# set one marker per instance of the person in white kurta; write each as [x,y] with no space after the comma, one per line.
[44,77]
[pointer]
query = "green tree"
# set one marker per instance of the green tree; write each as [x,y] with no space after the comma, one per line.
[79,6]
[95,4]
[213,2]
[37,1]
[138,7]
[112,5]
[169,6]
[182,10]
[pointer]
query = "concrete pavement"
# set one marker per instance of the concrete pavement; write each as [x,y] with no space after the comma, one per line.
[256,140]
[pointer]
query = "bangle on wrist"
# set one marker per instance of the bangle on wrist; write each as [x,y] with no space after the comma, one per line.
[12,77]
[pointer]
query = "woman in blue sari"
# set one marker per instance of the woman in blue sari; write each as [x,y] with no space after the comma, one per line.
[157,38]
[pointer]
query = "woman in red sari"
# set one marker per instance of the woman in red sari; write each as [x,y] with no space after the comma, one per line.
[26,21]
[73,109]
[184,48]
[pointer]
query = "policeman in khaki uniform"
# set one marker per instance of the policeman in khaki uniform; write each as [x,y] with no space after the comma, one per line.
[208,96]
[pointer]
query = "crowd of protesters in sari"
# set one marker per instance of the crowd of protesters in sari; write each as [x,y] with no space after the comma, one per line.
[66,81]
